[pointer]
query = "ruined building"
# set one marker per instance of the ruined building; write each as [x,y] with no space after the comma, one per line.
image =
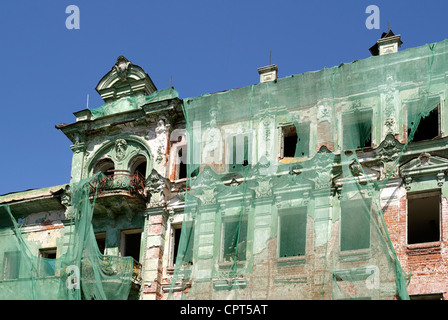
[323,185]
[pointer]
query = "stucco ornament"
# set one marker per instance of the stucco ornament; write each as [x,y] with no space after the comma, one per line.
[162,139]
[121,67]
[121,146]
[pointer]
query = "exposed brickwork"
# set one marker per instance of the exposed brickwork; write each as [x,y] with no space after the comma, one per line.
[426,263]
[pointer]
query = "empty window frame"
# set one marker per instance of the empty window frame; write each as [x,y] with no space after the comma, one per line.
[11,265]
[130,243]
[357,130]
[423,217]
[234,240]
[47,265]
[101,241]
[292,232]
[138,165]
[105,166]
[428,127]
[295,140]
[181,165]
[355,224]
[182,243]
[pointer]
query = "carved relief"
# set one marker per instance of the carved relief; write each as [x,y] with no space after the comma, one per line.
[389,97]
[323,113]
[390,125]
[121,146]
[156,185]
[323,164]
[162,140]
[388,152]
[121,67]
[264,188]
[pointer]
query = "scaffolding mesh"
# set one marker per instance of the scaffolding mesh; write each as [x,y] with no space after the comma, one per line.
[79,272]
[266,222]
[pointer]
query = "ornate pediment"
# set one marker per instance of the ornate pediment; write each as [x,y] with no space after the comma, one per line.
[206,186]
[424,165]
[123,80]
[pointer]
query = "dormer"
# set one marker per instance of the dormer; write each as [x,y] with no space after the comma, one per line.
[123,80]
[389,43]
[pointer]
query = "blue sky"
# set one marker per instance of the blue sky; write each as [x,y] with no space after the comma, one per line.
[203,46]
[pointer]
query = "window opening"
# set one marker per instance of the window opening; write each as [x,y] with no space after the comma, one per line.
[292,232]
[131,241]
[355,224]
[289,141]
[357,130]
[423,217]
[234,240]
[48,263]
[186,249]
[182,166]
[101,241]
[428,127]
[11,265]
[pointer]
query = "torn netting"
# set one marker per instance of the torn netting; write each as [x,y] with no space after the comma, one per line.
[79,272]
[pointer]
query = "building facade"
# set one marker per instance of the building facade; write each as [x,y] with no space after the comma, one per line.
[265,199]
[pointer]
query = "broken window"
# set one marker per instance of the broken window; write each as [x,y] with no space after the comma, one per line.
[423,217]
[428,127]
[289,141]
[48,262]
[292,232]
[182,247]
[355,224]
[11,265]
[295,140]
[234,240]
[357,130]
[130,243]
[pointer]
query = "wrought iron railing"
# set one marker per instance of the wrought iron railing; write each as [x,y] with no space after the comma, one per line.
[120,180]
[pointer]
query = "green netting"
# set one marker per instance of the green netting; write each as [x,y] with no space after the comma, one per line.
[271,223]
[80,272]
[134,102]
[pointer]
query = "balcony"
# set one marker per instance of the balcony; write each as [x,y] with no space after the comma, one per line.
[116,180]
[119,192]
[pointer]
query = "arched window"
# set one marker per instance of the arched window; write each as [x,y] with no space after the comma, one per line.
[105,166]
[138,165]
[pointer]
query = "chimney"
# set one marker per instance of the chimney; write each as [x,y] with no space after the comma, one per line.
[268,73]
[389,43]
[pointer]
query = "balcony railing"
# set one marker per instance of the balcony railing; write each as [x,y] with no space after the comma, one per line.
[120,180]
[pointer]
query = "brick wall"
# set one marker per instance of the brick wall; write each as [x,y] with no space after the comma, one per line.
[426,263]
